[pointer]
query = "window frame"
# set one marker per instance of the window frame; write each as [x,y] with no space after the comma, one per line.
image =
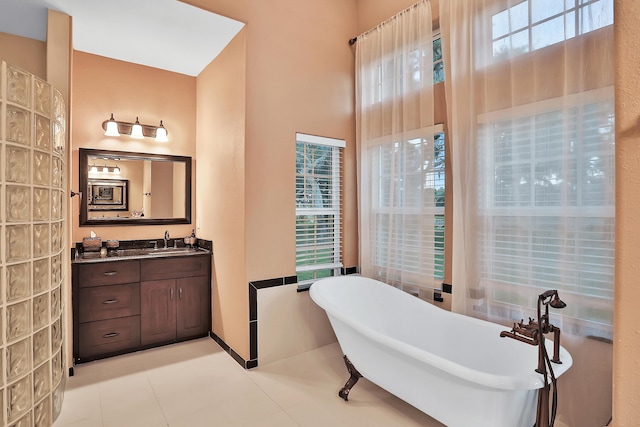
[436,37]
[376,75]
[577,30]
[335,211]
[438,212]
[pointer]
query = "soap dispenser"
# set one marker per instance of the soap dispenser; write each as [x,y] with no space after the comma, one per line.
[191,240]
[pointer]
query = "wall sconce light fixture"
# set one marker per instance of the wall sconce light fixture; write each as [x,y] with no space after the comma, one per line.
[138,130]
[111,127]
[161,133]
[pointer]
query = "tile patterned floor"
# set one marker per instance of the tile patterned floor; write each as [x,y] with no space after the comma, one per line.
[197,384]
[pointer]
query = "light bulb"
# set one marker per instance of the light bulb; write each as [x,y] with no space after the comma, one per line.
[112,127]
[161,133]
[94,169]
[105,169]
[136,130]
[116,169]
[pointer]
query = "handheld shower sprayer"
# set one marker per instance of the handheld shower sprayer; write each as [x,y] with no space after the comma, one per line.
[546,299]
[555,302]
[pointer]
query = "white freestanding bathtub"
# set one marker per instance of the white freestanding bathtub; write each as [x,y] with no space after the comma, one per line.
[455,368]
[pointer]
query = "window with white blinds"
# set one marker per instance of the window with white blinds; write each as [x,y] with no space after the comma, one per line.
[549,206]
[318,207]
[407,222]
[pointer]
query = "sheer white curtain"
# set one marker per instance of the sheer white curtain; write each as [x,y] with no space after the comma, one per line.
[529,90]
[400,153]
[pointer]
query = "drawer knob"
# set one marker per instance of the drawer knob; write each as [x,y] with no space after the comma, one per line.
[110,335]
[110,301]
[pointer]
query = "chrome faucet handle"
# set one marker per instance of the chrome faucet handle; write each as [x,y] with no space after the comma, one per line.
[154,243]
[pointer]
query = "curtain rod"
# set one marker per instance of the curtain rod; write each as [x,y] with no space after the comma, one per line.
[355,39]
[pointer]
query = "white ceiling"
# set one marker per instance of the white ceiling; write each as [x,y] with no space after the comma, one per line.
[165,34]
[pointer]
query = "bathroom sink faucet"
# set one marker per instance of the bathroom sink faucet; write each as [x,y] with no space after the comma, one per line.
[166,238]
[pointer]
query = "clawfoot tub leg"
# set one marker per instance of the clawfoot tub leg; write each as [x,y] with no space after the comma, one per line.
[353,379]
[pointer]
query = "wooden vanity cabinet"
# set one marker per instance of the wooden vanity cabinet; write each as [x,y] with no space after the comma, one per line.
[124,306]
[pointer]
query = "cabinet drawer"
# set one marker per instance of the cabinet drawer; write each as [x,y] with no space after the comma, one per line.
[109,273]
[108,336]
[108,302]
[173,268]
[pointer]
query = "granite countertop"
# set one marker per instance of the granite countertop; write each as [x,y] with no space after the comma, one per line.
[137,253]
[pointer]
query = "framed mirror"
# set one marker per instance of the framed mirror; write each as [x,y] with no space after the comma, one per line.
[107,194]
[123,188]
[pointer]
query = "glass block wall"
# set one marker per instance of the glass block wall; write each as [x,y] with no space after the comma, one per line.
[32,244]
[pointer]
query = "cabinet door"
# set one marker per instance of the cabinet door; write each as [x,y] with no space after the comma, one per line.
[193,306]
[158,311]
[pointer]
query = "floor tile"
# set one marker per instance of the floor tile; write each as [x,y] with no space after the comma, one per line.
[278,419]
[250,408]
[81,422]
[204,417]
[81,403]
[196,383]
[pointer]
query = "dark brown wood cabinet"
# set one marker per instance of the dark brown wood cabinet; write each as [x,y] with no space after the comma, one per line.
[124,306]
[159,320]
[194,307]
[174,309]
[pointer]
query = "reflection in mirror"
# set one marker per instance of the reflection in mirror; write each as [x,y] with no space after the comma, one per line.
[107,194]
[134,188]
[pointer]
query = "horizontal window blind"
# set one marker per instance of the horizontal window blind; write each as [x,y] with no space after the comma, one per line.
[549,206]
[318,206]
[407,222]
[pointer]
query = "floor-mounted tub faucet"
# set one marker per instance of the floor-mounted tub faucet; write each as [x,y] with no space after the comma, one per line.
[534,333]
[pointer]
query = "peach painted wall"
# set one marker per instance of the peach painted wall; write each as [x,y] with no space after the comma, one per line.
[626,347]
[221,188]
[299,78]
[25,53]
[102,86]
